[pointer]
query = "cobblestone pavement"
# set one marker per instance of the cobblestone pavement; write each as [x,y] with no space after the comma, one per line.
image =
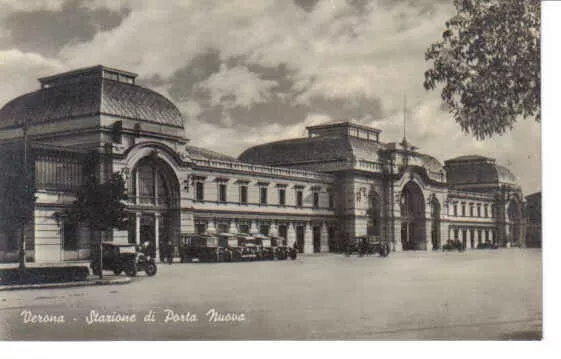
[479,294]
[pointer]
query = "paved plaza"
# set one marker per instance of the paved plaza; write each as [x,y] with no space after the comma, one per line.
[479,294]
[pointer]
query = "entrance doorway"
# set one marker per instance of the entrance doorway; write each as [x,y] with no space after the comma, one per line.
[155,191]
[435,223]
[412,209]
[513,215]
[300,238]
[317,238]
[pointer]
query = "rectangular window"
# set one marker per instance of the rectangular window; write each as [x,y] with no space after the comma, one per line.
[264,229]
[471,209]
[486,210]
[222,192]
[243,194]
[244,228]
[282,196]
[455,208]
[199,191]
[222,228]
[263,195]
[331,201]
[478,210]
[316,199]
[463,209]
[299,198]
[200,227]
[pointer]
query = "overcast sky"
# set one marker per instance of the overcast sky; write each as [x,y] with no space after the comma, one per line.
[244,72]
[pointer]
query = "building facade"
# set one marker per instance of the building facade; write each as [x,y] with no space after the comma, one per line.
[340,181]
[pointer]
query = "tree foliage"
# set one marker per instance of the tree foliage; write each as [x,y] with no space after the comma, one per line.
[488,62]
[17,190]
[99,205]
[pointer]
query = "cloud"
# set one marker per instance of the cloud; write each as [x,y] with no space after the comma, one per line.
[8,6]
[55,27]
[15,69]
[245,72]
[236,87]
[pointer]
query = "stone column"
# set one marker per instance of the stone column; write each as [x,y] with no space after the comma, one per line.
[211,226]
[324,242]
[253,228]
[157,234]
[308,239]
[291,235]
[233,227]
[397,236]
[137,228]
[273,230]
[428,234]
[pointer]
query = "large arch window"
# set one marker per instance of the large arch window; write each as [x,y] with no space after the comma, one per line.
[150,185]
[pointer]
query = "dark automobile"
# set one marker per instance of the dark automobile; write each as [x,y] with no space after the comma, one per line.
[487,245]
[453,245]
[249,247]
[366,245]
[280,249]
[124,258]
[199,248]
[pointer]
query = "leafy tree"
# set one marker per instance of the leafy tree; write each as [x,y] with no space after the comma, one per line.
[488,62]
[17,195]
[100,206]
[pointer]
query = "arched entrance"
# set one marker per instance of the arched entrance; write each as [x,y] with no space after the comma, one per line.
[412,208]
[513,222]
[435,223]
[154,217]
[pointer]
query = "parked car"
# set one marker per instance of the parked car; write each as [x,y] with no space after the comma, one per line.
[123,257]
[280,248]
[267,249]
[487,245]
[453,245]
[366,245]
[199,248]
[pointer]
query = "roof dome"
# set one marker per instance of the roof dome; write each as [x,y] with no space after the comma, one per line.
[92,91]
[473,169]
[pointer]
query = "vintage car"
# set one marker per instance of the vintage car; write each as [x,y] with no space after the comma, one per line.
[366,245]
[123,258]
[487,245]
[199,248]
[453,245]
[280,248]
[249,246]
[268,248]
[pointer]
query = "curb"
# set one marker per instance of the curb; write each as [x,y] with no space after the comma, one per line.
[113,281]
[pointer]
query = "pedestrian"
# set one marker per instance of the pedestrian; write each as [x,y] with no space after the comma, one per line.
[170,250]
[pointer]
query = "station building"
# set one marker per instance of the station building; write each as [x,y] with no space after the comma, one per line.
[338,182]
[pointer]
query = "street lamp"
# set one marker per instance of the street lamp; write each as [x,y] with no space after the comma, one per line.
[27,188]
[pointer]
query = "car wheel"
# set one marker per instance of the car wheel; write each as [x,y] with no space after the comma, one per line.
[117,270]
[151,269]
[130,270]
[384,251]
[95,268]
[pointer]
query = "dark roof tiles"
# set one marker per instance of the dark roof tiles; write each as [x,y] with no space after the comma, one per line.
[88,97]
